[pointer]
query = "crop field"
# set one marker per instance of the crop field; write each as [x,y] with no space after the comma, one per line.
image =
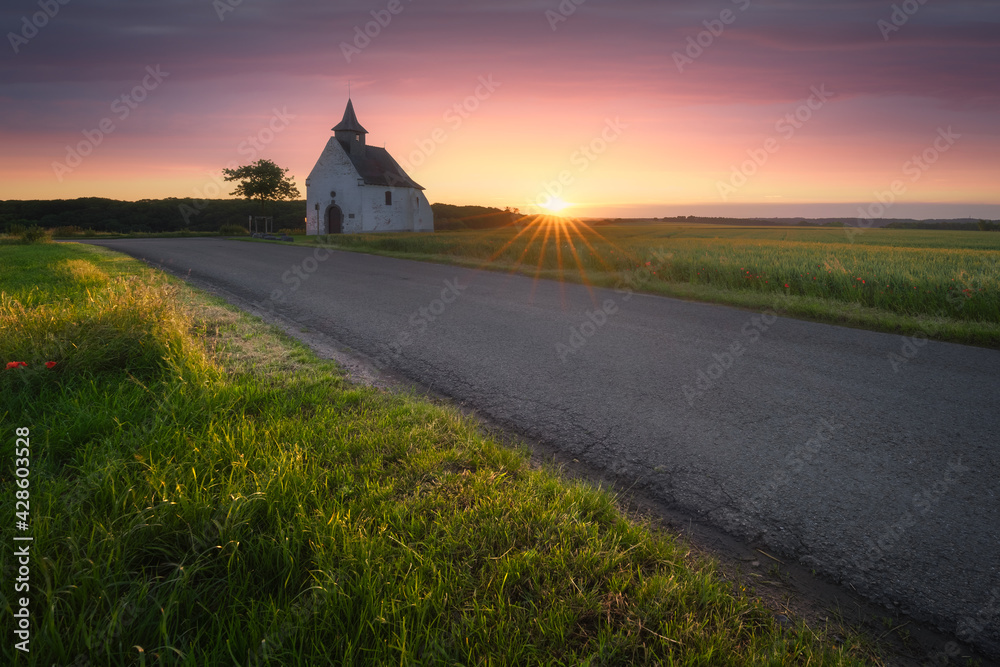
[940,284]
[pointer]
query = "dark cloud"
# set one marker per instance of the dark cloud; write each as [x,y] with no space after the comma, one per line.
[92,52]
[631,39]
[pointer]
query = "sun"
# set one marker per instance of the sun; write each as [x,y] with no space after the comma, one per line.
[556,205]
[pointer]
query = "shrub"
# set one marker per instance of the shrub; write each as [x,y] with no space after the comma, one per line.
[66,230]
[292,232]
[232,230]
[35,234]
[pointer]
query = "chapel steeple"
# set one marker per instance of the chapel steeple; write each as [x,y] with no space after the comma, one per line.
[350,133]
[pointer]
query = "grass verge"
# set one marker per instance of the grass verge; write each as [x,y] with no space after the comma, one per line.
[204,491]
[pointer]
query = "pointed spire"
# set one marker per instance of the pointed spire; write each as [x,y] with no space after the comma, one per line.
[350,122]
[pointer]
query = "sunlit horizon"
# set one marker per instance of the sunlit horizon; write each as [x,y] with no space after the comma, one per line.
[806,113]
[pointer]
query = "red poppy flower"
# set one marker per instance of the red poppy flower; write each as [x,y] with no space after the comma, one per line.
[50,364]
[786,284]
[15,364]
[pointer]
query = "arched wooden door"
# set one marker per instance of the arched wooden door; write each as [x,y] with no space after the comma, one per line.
[334,220]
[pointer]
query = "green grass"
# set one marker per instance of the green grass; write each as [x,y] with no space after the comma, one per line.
[90,234]
[204,491]
[940,284]
[49,234]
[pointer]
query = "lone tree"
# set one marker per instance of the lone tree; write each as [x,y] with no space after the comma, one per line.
[263,181]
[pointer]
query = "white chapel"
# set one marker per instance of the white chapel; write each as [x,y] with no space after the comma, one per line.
[357,188]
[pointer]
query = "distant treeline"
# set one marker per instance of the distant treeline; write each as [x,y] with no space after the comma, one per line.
[146,215]
[981,226]
[958,225]
[210,215]
[447,216]
[755,222]
[694,219]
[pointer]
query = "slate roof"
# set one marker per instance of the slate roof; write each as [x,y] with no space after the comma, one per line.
[377,167]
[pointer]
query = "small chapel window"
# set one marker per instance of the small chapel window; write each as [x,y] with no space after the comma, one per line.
[388,198]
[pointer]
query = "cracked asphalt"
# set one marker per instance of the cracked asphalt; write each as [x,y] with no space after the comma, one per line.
[879,471]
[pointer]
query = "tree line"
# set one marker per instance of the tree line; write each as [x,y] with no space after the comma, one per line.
[982,225]
[207,215]
[145,215]
[450,217]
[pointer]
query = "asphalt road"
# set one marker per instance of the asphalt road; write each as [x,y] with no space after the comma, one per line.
[878,470]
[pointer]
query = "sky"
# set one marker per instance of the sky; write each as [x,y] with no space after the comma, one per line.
[623,108]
